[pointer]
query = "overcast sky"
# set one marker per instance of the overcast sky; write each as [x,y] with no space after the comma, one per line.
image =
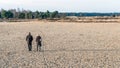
[64,5]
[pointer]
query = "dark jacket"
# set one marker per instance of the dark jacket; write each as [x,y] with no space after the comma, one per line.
[38,40]
[29,38]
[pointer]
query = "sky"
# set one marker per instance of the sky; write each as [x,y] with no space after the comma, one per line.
[63,5]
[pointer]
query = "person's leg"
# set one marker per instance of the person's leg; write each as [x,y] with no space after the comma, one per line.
[30,46]
[40,47]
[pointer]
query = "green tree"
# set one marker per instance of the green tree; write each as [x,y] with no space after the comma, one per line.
[6,14]
[54,14]
[9,14]
[47,14]
[41,15]
[30,15]
[21,16]
[36,14]
[14,12]
[3,13]
[27,14]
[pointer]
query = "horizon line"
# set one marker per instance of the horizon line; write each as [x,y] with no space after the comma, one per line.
[21,9]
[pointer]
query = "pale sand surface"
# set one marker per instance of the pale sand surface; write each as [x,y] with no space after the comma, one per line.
[65,45]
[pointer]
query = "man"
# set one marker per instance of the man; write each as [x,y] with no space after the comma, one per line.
[38,42]
[29,39]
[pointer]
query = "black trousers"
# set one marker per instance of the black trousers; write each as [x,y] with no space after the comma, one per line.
[38,47]
[30,47]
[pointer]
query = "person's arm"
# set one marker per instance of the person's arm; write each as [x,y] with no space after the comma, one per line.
[40,39]
[32,38]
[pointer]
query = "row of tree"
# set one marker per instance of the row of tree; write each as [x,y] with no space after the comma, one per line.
[27,14]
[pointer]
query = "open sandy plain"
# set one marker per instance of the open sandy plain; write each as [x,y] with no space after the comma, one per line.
[65,45]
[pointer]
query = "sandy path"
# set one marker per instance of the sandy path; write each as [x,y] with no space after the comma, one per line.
[69,45]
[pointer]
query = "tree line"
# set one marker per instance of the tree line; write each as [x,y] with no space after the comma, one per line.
[28,14]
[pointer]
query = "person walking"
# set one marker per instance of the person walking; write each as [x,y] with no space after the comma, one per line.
[38,42]
[29,39]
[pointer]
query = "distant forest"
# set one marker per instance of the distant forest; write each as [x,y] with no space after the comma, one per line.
[28,14]
[92,14]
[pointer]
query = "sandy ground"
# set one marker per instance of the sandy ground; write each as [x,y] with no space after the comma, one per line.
[65,45]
